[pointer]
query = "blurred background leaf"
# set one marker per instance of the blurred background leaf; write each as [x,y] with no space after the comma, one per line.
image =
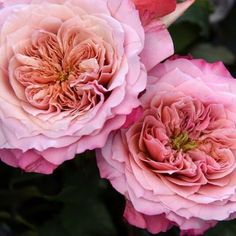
[213,53]
[194,34]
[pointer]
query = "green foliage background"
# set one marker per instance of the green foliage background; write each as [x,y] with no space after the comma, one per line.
[74,201]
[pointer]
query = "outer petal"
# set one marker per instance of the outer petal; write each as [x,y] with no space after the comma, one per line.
[217,68]
[30,161]
[154,224]
[158,45]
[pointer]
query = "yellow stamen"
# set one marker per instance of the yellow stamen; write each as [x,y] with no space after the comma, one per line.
[63,76]
[183,142]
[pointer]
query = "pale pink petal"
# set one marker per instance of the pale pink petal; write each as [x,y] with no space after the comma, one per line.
[159,41]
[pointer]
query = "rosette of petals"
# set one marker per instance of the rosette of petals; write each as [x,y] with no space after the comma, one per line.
[177,163]
[70,73]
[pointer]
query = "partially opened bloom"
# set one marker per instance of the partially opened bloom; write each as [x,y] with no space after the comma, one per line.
[70,73]
[151,9]
[176,165]
[166,11]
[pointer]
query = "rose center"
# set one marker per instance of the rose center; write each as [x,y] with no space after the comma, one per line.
[183,142]
[63,76]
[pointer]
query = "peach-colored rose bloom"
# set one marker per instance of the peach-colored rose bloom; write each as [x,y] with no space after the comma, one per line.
[70,73]
[176,165]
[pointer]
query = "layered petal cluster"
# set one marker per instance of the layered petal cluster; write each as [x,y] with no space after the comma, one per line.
[70,73]
[176,165]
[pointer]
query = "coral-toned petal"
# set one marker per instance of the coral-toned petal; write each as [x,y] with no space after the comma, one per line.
[157,7]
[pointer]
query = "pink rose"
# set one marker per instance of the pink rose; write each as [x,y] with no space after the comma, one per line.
[177,163]
[70,73]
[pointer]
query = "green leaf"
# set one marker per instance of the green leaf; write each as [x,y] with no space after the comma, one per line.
[198,14]
[223,228]
[84,211]
[184,35]
[213,53]
[30,233]
[52,228]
